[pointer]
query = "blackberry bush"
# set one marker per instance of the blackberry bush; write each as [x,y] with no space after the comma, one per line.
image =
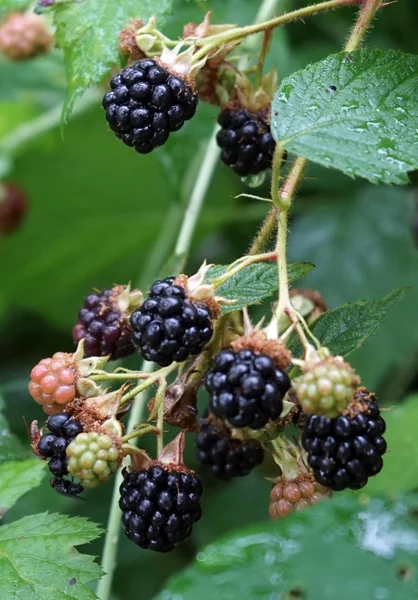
[246,389]
[160,505]
[169,326]
[103,323]
[344,452]
[146,103]
[226,457]
[246,141]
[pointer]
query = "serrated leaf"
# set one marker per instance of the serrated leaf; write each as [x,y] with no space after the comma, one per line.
[253,284]
[336,549]
[38,560]
[402,440]
[357,113]
[7,6]
[17,478]
[88,32]
[346,328]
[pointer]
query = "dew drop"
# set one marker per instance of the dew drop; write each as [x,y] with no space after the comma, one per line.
[254,181]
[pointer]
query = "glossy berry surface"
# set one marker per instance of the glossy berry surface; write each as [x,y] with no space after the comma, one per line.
[53,444]
[146,103]
[53,382]
[104,326]
[344,452]
[92,457]
[169,327]
[246,389]
[288,495]
[246,141]
[159,506]
[226,457]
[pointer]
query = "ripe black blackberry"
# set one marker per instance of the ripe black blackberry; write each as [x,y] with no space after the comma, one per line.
[159,505]
[53,445]
[246,141]
[104,326]
[344,452]
[146,103]
[226,457]
[169,326]
[246,389]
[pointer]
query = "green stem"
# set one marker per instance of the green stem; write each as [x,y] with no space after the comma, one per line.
[241,32]
[159,375]
[159,399]
[364,20]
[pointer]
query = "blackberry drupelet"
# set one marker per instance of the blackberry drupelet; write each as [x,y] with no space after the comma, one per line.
[92,457]
[53,445]
[53,382]
[159,505]
[288,495]
[344,452]
[246,141]
[246,389]
[104,326]
[226,457]
[169,326]
[146,103]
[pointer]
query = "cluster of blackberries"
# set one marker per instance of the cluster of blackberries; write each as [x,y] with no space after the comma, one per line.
[169,327]
[246,389]
[246,141]
[226,457]
[146,103]
[63,429]
[159,505]
[344,452]
[105,329]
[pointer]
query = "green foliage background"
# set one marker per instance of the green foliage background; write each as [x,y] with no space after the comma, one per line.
[99,214]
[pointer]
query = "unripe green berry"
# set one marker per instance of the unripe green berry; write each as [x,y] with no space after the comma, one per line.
[93,457]
[326,387]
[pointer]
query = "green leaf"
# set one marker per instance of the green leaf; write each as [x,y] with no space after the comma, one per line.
[336,549]
[7,6]
[88,32]
[11,448]
[38,560]
[364,127]
[253,284]
[346,328]
[17,478]
[399,473]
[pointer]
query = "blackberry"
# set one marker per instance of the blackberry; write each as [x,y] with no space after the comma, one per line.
[92,457]
[159,505]
[13,207]
[246,389]
[53,382]
[104,326]
[169,326]
[24,36]
[246,141]
[226,457]
[53,445]
[294,494]
[146,103]
[344,452]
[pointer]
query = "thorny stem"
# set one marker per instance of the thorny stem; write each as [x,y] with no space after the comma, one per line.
[139,432]
[159,376]
[240,264]
[262,57]
[264,233]
[239,33]
[363,23]
[159,401]
[105,376]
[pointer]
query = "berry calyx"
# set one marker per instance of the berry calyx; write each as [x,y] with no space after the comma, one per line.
[169,326]
[344,452]
[52,445]
[159,505]
[246,141]
[246,389]
[288,495]
[53,382]
[104,322]
[24,36]
[326,387]
[227,457]
[92,457]
[13,207]
[146,103]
